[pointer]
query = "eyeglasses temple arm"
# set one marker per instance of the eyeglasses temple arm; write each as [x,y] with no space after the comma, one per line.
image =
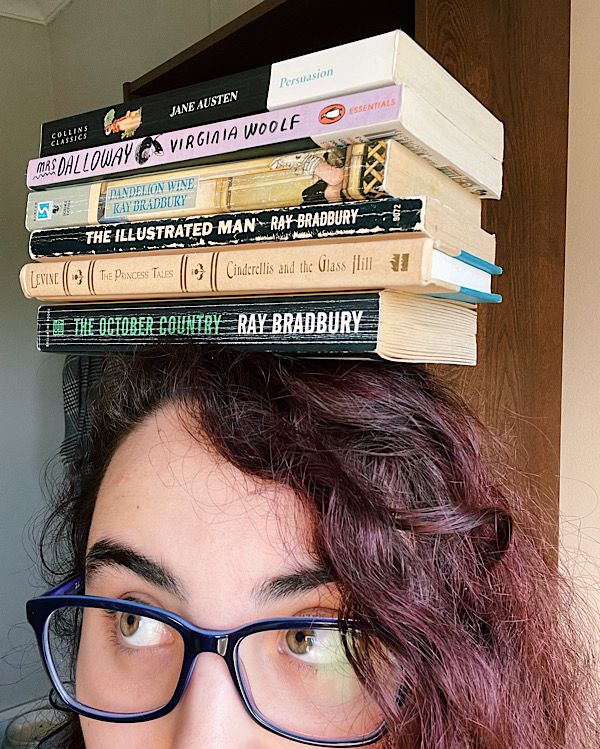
[72,586]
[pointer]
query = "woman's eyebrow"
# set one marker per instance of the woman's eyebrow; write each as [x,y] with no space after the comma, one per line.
[300,581]
[107,553]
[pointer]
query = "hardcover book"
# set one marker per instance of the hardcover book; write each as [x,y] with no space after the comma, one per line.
[355,221]
[394,111]
[390,325]
[386,59]
[408,264]
[358,172]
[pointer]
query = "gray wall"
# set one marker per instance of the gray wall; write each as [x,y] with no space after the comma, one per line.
[78,62]
[30,411]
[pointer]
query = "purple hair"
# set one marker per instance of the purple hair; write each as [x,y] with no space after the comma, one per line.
[411,512]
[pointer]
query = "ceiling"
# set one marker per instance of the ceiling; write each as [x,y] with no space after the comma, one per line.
[35,11]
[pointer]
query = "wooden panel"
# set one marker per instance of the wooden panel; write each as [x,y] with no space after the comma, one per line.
[271,31]
[514,56]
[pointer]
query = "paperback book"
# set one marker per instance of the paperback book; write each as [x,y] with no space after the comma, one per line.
[334,221]
[391,112]
[362,171]
[386,324]
[353,221]
[409,265]
[386,59]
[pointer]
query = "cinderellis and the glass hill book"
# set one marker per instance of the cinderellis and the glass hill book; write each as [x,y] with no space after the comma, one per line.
[394,111]
[386,59]
[391,325]
[413,265]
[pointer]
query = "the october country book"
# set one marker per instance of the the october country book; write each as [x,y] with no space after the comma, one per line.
[408,264]
[396,112]
[386,59]
[387,324]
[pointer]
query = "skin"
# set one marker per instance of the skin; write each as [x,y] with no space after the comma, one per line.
[222,536]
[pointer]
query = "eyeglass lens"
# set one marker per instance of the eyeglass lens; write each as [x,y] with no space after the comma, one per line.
[302,681]
[299,681]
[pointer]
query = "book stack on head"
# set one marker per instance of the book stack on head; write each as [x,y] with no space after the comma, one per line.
[327,205]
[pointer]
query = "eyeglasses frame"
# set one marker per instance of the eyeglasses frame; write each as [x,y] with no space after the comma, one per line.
[196,641]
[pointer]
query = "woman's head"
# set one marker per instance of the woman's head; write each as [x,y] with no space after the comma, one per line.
[261,486]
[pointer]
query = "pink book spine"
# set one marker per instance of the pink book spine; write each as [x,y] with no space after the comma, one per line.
[337,120]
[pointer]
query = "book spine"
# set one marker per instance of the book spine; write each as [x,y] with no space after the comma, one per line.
[322,325]
[378,264]
[324,222]
[335,122]
[211,101]
[317,176]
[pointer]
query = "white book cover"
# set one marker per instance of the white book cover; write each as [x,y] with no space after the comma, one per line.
[383,60]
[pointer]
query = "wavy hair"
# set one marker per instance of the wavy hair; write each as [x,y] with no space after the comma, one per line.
[411,511]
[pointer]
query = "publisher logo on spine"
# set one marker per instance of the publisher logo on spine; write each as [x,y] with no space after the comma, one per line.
[44,210]
[332,113]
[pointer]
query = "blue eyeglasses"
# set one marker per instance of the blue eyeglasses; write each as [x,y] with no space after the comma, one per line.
[125,662]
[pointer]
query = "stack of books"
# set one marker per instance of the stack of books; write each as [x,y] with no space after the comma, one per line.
[326,205]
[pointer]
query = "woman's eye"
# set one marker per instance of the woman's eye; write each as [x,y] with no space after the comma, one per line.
[140,631]
[315,646]
[299,641]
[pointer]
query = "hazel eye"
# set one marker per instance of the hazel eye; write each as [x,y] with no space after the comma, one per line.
[317,647]
[142,632]
[299,641]
[129,624]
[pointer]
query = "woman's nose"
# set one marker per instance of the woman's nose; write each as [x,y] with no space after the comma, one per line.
[210,714]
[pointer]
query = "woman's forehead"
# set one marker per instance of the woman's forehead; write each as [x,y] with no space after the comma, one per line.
[171,497]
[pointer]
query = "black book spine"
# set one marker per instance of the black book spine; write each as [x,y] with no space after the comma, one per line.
[321,221]
[203,103]
[322,325]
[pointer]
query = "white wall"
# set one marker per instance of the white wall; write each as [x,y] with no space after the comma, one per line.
[97,46]
[580,449]
[78,62]
[30,412]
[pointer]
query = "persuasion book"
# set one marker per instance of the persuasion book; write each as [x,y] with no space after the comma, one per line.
[393,111]
[408,264]
[391,325]
[362,171]
[378,61]
[355,221]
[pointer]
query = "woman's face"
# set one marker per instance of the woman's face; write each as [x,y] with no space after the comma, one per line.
[220,550]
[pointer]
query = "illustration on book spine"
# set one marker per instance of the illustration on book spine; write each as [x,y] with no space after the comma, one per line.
[127,125]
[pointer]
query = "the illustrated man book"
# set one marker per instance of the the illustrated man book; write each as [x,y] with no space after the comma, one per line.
[390,325]
[352,221]
[386,59]
[396,112]
[413,265]
[363,171]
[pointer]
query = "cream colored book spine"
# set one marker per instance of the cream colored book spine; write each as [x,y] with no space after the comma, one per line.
[310,267]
